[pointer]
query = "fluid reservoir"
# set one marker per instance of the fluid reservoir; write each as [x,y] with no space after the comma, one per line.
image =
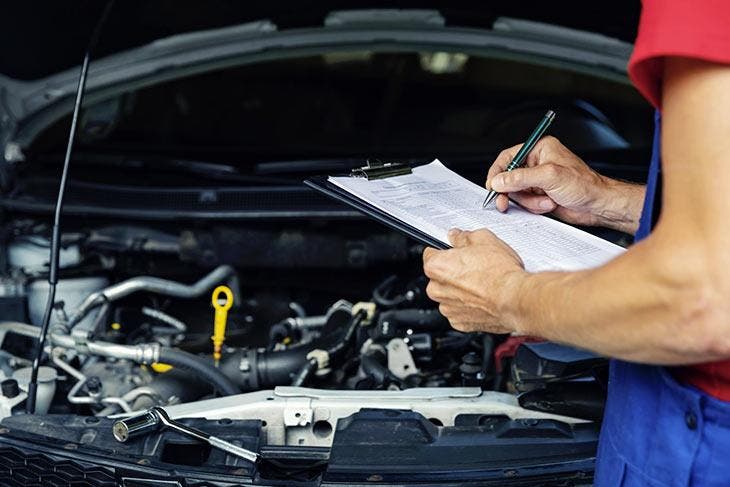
[46,385]
[71,291]
[31,256]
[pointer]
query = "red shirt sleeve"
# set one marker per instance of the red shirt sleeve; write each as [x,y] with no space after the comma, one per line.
[697,29]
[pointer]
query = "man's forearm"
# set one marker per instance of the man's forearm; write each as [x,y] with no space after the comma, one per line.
[621,206]
[649,305]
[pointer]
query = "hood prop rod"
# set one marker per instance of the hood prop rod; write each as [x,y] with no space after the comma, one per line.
[56,232]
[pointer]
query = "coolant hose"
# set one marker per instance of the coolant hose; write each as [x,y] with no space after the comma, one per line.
[201,368]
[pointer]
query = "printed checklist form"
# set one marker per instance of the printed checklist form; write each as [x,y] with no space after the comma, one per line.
[435,199]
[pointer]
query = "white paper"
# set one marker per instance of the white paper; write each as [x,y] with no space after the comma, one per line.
[435,199]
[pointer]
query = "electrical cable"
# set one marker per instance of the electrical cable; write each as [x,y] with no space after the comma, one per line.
[56,232]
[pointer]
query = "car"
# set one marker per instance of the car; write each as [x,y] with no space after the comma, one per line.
[186,218]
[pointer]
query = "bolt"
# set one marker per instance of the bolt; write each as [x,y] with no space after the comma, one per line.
[93,384]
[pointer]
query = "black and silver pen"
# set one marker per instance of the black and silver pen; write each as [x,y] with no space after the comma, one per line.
[521,156]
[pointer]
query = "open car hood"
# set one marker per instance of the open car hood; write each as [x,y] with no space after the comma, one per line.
[45,38]
[33,94]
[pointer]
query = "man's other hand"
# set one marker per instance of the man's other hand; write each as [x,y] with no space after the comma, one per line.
[554,180]
[473,280]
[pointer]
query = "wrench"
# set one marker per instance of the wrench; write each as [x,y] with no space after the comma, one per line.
[156,419]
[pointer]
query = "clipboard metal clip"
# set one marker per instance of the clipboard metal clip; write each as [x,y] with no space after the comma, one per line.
[377,169]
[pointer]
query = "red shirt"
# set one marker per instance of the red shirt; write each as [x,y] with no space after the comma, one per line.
[697,29]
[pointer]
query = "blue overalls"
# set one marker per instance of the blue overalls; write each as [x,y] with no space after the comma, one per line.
[656,431]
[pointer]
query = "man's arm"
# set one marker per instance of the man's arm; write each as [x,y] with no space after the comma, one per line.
[665,301]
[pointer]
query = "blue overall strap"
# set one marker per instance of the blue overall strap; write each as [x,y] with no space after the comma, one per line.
[653,199]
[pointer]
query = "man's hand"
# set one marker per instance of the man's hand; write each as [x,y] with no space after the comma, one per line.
[556,180]
[472,281]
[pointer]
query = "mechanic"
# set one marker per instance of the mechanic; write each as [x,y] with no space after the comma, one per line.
[662,309]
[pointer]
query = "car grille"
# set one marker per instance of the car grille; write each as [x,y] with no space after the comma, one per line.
[29,470]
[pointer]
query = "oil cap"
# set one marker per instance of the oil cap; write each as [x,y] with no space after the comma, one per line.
[9,388]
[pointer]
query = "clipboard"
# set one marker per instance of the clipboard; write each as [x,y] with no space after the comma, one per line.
[374,171]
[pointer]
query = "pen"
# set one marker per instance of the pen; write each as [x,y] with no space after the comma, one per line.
[521,156]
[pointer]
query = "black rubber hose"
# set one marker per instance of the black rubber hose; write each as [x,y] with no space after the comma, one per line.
[383,289]
[199,367]
[253,369]
[310,366]
[269,368]
[307,370]
[340,346]
[277,368]
[487,352]
[373,366]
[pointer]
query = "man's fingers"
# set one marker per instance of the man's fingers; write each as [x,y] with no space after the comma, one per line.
[544,177]
[428,266]
[501,162]
[435,263]
[534,203]
[463,238]
[436,291]
[444,309]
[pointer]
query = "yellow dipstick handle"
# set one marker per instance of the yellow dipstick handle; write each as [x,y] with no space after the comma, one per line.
[221,306]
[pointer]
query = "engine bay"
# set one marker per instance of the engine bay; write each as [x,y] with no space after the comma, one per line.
[199,277]
[134,319]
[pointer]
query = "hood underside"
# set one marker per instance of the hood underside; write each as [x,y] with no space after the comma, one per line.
[44,38]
